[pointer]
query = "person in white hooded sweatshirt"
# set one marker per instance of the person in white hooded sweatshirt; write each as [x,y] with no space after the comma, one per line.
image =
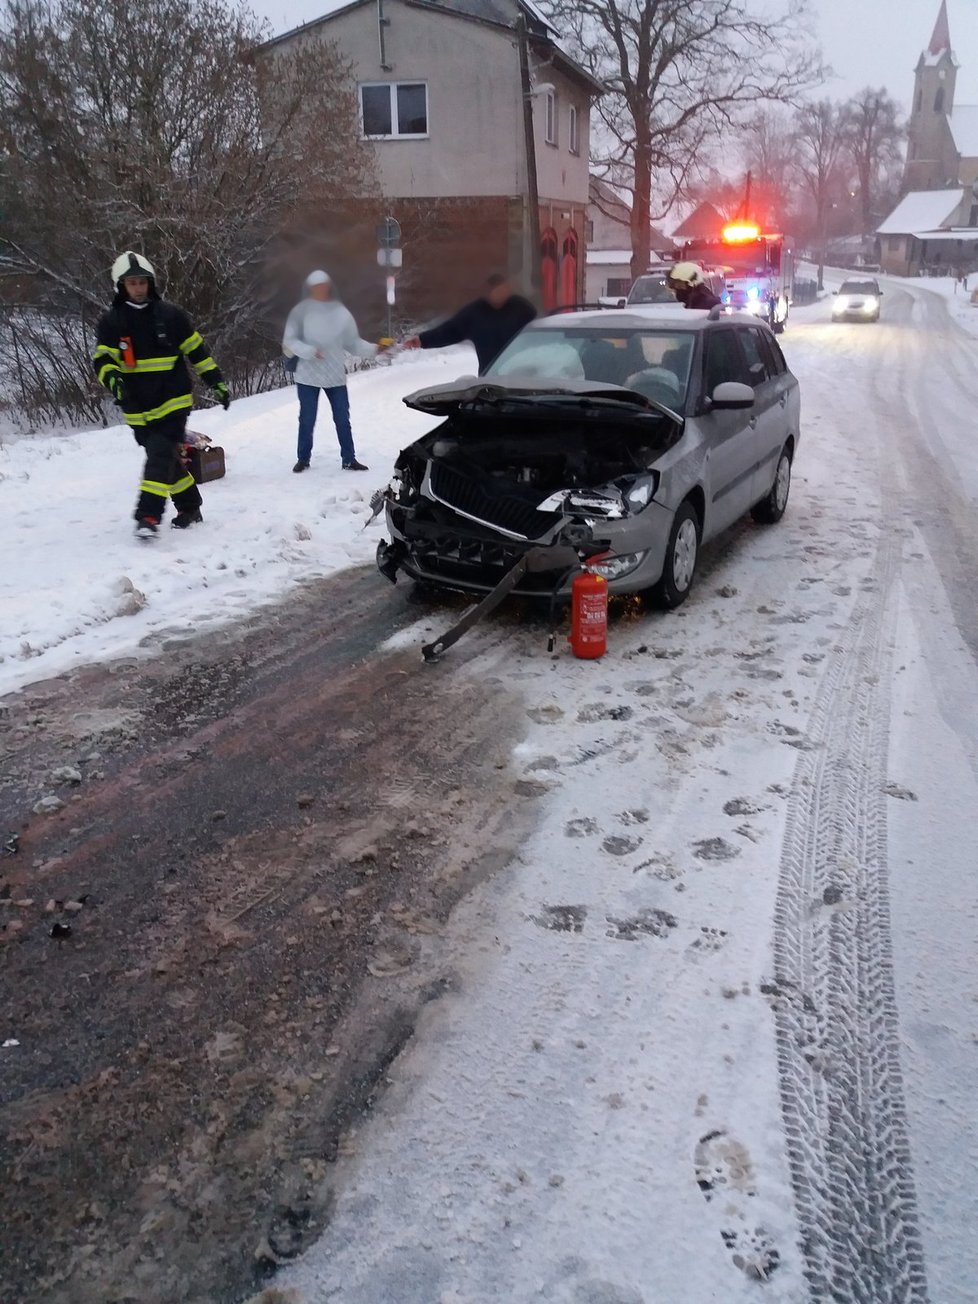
[319,332]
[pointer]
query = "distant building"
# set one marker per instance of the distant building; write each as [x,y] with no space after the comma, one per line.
[934,227]
[942,148]
[609,240]
[932,232]
[457,105]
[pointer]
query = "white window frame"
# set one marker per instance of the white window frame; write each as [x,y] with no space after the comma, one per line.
[550,120]
[573,137]
[395,133]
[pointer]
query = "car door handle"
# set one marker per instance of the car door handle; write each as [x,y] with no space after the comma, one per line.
[784,400]
[753,423]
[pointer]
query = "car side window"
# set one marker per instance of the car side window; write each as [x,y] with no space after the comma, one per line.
[757,368]
[772,354]
[724,360]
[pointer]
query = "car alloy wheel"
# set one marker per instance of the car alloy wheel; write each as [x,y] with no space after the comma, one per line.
[772,506]
[680,560]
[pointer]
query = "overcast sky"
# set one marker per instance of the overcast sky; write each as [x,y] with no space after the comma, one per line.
[867,42]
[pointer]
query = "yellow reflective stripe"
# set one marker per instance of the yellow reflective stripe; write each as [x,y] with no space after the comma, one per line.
[191,342]
[103,371]
[155,487]
[173,405]
[157,413]
[154,364]
[107,348]
[207,365]
[186,482]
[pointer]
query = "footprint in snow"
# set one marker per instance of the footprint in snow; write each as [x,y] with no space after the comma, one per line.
[646,923]
[741,806]
[582,827]
[709,941]
[725,1175]
[602,711]
[634,817]
[715,849]
[617,844]
[562,919]
[902,794]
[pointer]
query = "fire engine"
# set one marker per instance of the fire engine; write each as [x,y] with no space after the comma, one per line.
[756,266]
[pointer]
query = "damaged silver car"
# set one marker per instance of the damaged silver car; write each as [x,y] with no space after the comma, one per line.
[628,440]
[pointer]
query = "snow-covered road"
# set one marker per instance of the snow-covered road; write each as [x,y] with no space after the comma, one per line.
[714,1033]
[684,1051]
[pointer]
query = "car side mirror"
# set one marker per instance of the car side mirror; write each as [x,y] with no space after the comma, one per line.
[621,303]
[731,395]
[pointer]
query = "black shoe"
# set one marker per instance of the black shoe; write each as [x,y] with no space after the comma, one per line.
[301,466]
[147,527]
[183,520]
[355,466]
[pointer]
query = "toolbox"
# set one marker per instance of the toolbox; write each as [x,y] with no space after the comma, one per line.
[204,460]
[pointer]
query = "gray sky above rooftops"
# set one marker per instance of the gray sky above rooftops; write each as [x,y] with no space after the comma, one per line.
[867,42]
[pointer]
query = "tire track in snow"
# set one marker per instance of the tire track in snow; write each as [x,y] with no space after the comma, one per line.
[833,994]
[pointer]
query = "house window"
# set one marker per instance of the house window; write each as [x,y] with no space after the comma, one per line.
[589,230]
[939,100]
[393,109]
[551,136]
[618,286]
[573,144]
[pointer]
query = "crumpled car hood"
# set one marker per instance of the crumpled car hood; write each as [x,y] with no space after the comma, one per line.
[443,400]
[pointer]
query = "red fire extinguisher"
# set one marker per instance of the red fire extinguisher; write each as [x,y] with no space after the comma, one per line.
[589,615]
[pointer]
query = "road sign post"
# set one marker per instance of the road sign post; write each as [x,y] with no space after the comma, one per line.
[389,257]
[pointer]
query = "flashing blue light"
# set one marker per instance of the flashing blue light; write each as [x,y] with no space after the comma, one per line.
[725,297]
[753,292]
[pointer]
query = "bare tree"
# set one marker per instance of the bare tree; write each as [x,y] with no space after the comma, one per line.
[144,126]
[769,150]
[820,135]
[873,138]
[679,74]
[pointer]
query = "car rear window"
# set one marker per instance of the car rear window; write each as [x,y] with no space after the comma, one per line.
[651,289]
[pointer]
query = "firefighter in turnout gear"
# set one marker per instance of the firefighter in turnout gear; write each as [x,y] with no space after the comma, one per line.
[144,345]
[688,284]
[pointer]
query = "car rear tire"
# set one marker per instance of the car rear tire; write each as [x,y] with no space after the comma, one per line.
[772,506]
[679,567]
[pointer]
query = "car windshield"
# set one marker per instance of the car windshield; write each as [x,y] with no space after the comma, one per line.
[651,289]
[859,287]
[655,363]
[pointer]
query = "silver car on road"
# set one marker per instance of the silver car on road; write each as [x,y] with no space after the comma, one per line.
[626,439]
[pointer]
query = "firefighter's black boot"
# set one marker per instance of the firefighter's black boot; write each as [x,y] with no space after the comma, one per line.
[183,520]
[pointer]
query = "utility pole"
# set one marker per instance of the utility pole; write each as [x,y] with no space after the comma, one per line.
[531,198]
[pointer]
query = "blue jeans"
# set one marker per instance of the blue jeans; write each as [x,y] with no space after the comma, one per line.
[339,402]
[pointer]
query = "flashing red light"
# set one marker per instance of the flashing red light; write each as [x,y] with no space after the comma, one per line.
[740,232]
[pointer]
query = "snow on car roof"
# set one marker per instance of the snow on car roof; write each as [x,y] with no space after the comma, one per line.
[621,318]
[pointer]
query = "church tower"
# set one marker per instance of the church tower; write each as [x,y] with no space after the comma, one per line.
[932,160]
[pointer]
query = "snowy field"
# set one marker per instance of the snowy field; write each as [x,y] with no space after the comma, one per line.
[686,1058]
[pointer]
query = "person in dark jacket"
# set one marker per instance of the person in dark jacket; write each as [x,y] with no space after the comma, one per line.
[688,284]
[144,345]
[489,323]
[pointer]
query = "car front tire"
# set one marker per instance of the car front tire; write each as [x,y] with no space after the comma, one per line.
[772,506]
[679,566]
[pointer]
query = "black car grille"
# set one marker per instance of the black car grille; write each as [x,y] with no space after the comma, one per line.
[490,502]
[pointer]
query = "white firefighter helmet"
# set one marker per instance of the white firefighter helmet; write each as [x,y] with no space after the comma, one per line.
[685,274]
[131,264]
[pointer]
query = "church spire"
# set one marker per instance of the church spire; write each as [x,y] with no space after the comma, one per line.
[941,40]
